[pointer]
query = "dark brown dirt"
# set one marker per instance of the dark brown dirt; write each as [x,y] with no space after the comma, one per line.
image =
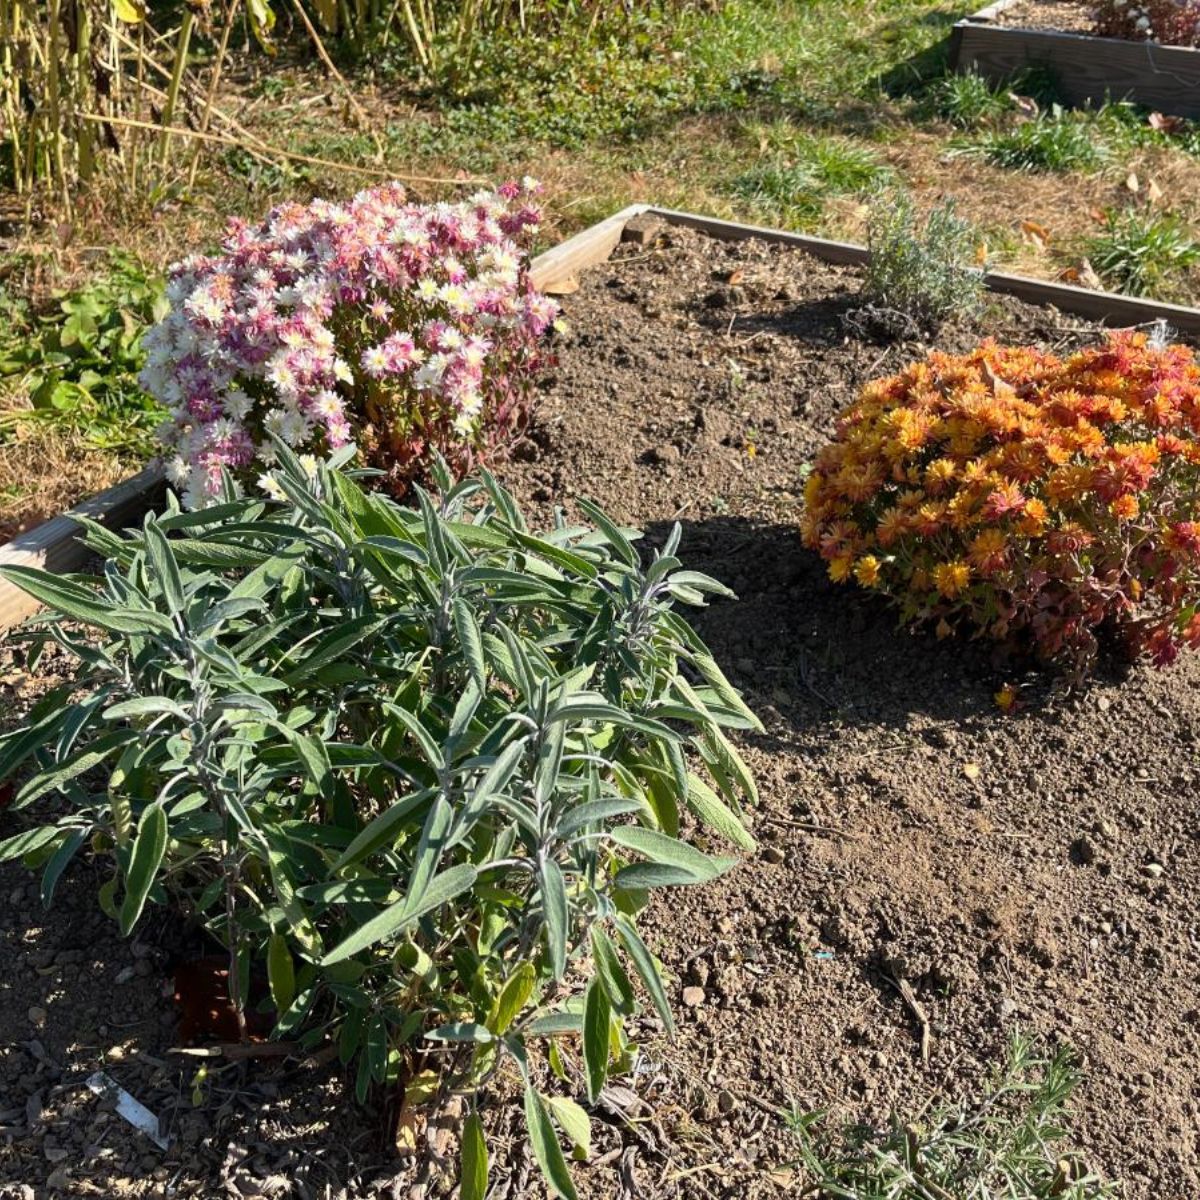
[1062,16]
[1002,864]
[1006,866]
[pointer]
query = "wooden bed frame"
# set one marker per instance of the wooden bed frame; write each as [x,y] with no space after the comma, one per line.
[54,545]
[1086,69]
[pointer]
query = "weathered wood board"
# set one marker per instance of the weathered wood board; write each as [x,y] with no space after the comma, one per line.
[54,544]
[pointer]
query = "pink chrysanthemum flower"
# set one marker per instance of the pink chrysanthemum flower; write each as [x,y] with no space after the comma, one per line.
[406,328]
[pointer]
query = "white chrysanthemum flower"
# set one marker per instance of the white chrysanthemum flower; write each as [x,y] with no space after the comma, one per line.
[281,376]
[375,360]
[294,428]
[178,472]
[427,290]
[454,298]
[270,487]
[237,405]
[308,463]
[328,404]
[429,374]
[273,421]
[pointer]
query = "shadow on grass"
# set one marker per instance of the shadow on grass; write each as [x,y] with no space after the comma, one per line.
[913,74]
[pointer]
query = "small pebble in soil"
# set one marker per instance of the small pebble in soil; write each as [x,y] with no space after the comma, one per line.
[773,854]
[693,997]
[1154,870]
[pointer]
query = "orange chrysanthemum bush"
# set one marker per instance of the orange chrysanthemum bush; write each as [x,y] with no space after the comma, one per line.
[1024,495]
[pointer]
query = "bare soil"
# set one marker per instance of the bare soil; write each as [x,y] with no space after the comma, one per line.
[1036,870]
[1062,16]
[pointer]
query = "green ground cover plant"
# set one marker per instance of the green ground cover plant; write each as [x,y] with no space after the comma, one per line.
[76,366]
[1144,252]
[1050,142]
[801,171]
[1005,1143]
[418,764]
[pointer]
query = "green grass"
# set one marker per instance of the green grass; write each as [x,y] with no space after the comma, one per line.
[767,56]
[967,100]
[800,170]
[1144,253]
[1054,142]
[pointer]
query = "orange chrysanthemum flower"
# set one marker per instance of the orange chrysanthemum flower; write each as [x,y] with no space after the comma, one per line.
[951,578]
[1027,495]
[866,570]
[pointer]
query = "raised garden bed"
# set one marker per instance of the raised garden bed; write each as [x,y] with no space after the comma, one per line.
[1000,866]
[53,544]
[996,44]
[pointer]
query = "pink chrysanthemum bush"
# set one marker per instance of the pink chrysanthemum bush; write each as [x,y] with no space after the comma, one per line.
[405,328]
[1171,22]
[1025,496]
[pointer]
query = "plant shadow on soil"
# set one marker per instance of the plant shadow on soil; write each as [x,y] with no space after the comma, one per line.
[818,652]
[76,998]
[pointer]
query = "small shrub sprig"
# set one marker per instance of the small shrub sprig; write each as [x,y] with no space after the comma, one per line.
[921,271]
[1171,22]
[422,764]
[409,328]
[1006,1142]
[1025,495]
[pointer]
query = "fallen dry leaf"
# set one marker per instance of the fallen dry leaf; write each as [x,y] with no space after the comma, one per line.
[1164,124]
[1037,235]
[1084,275]
[1000,387]
[1132,182]
[562,287]
[1027,106]
[1153,192]
[1088,277]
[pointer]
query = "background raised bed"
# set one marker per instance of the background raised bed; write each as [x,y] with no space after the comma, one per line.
[1086,69]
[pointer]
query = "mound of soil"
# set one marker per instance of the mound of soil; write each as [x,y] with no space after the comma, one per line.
[1055,16]
[1035,870]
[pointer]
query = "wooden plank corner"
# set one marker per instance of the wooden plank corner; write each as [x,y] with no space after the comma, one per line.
[55,546]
